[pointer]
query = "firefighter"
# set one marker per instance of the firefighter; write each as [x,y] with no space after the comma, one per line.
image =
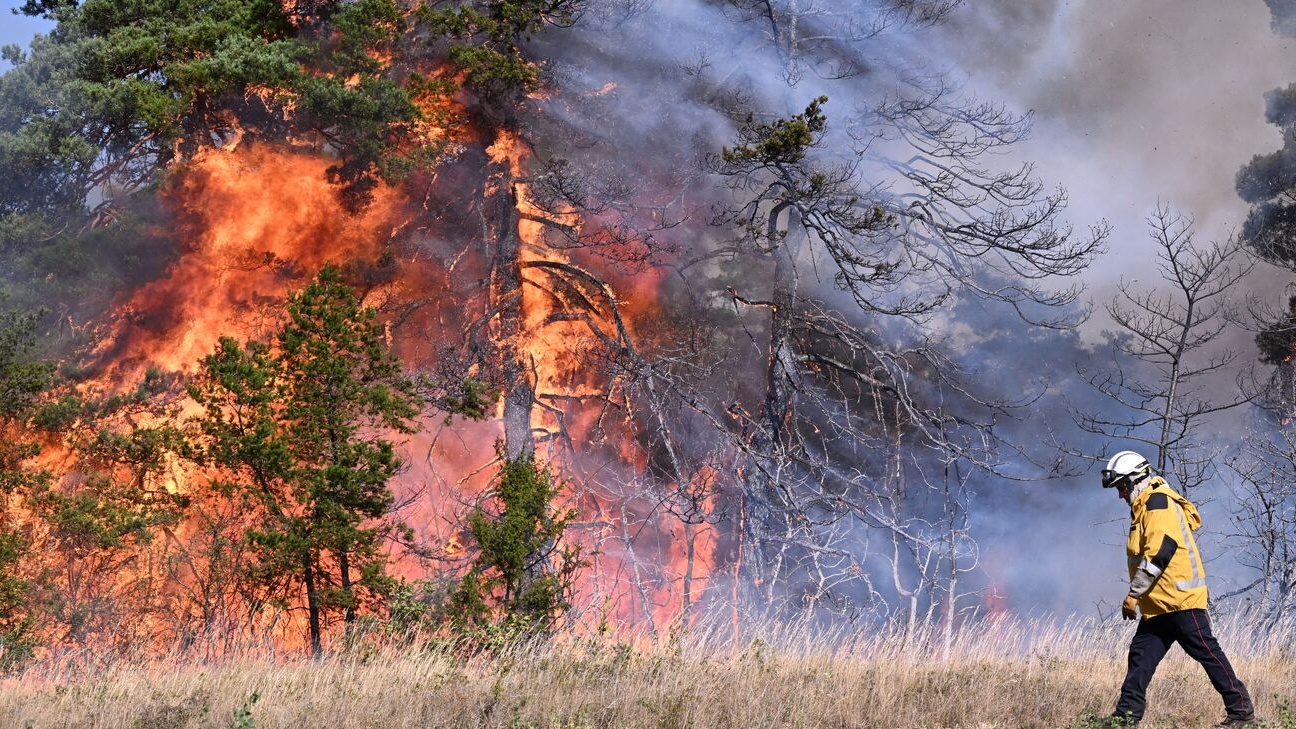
[1168,586]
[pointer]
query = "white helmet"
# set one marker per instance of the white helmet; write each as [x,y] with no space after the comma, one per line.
[1125,467]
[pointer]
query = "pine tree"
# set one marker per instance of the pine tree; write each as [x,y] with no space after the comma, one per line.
[522,576]
[22,380]
[295,427]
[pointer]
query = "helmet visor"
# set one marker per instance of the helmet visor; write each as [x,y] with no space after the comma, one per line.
[1113,479]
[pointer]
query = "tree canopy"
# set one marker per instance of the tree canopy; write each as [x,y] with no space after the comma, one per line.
[121,91]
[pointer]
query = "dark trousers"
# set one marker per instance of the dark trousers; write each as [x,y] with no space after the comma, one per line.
[1190,629]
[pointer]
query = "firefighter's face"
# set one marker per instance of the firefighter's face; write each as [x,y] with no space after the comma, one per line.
[1123,490]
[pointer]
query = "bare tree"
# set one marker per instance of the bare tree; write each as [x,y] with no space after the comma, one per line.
[931,544]
[1264,518]
[1169,349]
[902,227]
[1264,512]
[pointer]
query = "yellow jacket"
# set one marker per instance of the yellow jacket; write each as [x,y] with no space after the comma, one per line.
[1166,571]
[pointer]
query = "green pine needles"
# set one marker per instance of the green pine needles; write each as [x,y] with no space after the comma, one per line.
[521,579]
[294,430]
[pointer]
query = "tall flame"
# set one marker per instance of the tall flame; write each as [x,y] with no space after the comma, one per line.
[256,223]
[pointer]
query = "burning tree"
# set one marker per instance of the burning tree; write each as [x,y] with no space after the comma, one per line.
[531,215]
[118,92]
[79,529]
[530,209]
[22,381]
[120,103]
[294,429]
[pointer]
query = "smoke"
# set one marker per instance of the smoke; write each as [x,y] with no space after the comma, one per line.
[649,96]
[1284,16]
[1134,105]
[1138,105]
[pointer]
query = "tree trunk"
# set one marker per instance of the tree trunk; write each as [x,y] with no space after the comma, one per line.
[344,567]
[769,508]
[312,606]
[781,372]
[507,330]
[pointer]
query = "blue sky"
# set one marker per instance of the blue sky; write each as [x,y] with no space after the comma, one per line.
[18,28]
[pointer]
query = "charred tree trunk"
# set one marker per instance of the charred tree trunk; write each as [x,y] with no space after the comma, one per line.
[781,373]
[507,330]
[770,520]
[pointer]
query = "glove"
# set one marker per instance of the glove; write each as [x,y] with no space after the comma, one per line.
[1129,608]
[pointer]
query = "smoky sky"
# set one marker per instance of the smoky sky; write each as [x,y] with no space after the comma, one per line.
[663,82]
[1135,103]
[1284,16]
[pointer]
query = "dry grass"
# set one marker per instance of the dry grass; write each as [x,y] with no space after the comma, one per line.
[998,674]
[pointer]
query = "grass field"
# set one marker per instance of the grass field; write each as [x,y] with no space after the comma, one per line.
[1001,673]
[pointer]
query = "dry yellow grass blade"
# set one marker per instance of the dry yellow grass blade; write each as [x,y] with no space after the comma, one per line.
[1000,673]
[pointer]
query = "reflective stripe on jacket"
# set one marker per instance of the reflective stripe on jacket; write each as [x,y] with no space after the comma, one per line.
[1161,541]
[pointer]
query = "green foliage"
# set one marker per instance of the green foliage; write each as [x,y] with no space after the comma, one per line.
[243,717]
[66,409]
[96,531]
[1267,183]
[121,90]
[23,380]
[409,607]
[65,540]
[784,141]
[486,38]
[1277,340]
[104,516]
[471,399]
[17,628]
[776,156]
[294,428]
[1093,720]
[76,271]
[1286,715]
[362,106]
[520,580]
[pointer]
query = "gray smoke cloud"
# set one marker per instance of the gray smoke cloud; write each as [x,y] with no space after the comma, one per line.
[1284,16]
[1134,105]
[651,92]
[1138,104]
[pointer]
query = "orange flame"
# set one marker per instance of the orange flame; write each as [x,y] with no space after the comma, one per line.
[259,222]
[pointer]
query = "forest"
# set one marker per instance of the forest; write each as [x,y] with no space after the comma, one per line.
[332,323]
